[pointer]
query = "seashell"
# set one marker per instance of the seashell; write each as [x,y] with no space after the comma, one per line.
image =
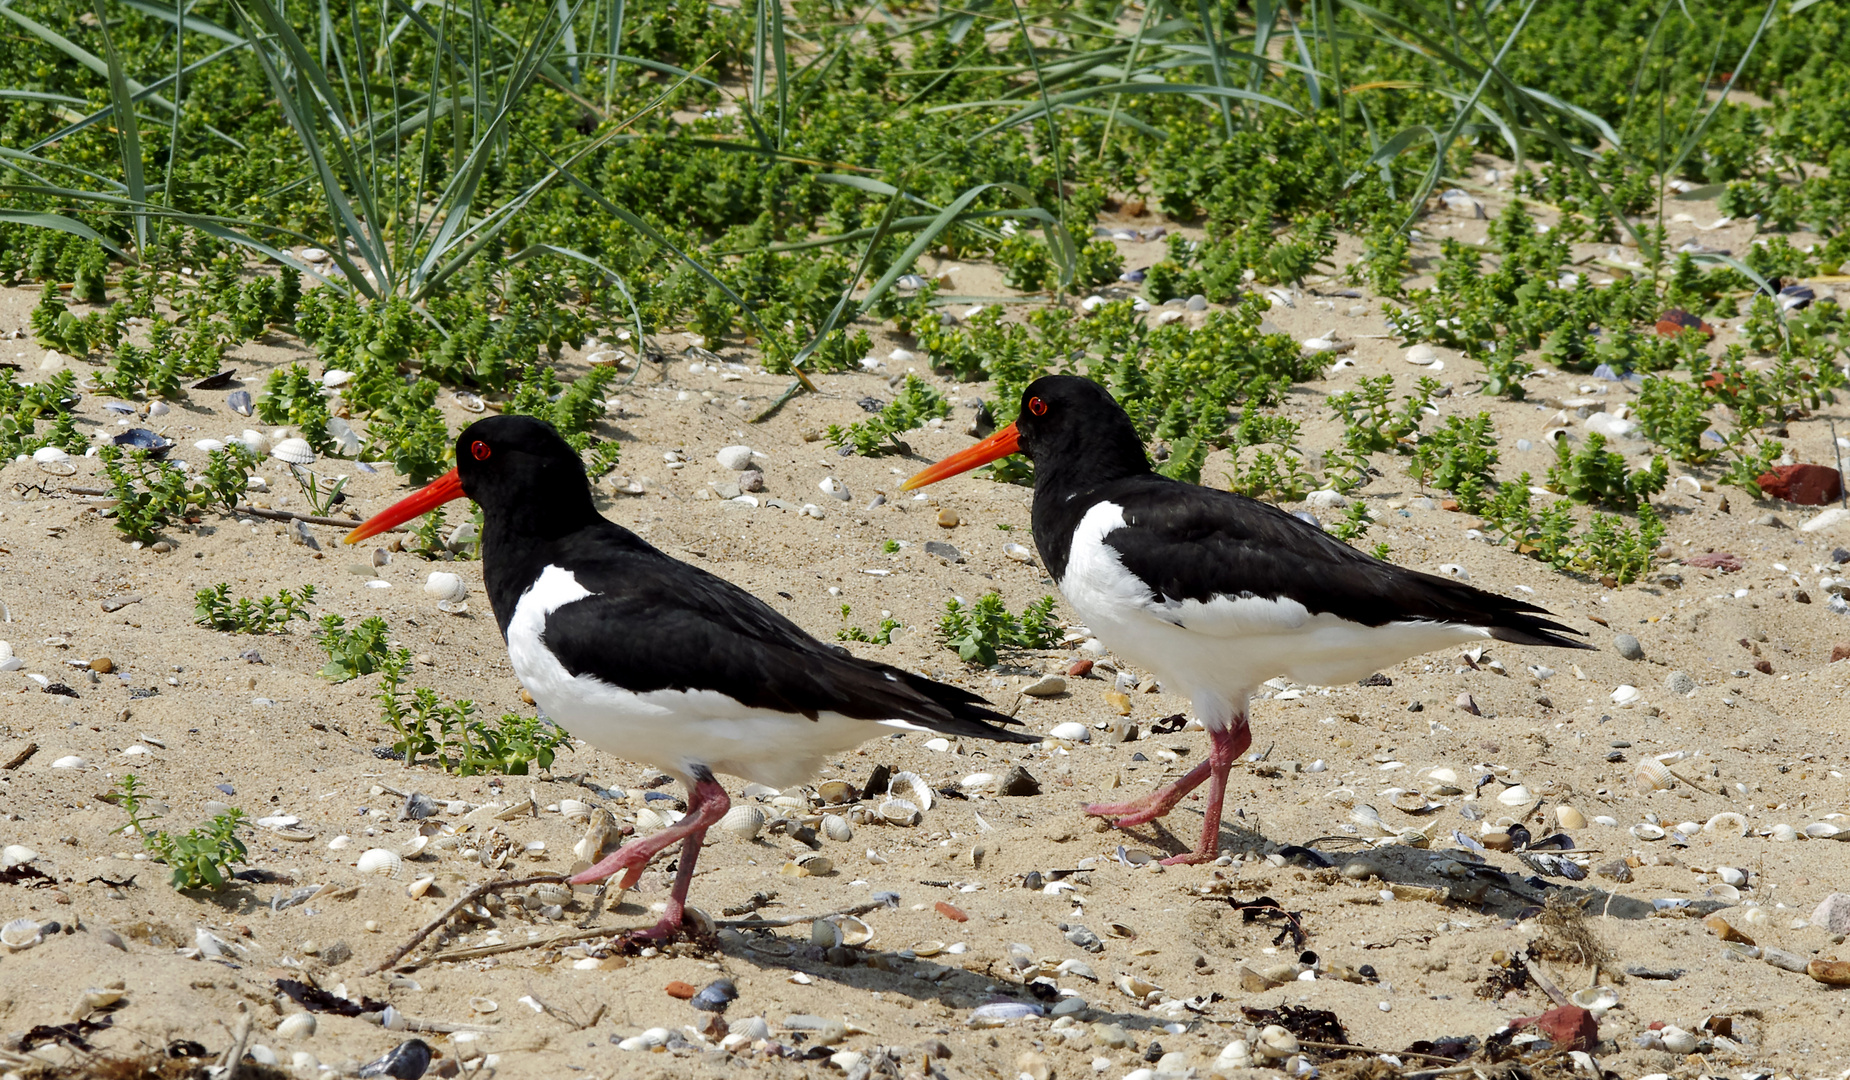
[1017,553]
[1276,1043]
[796,804]
[314,254]
[816,865]
[296,1026]
[551,892]
[980,783]
[837,828]
[470,402]
[416,845]
[54,461]
[1070,731]
[1235,1055]
[715,996]
[836,792]
[340,843]
[71,761]
[997,1013]
[926,948]
[576,811]
[597,834]
[751,1029]
[1731,875]
[293,452]
[446,588]
[899,812]
[834,488]
[380,860]
[346,440]
[912,788]
[1369,818]
[16,855]
[1515,796]
[1136,988]
[1644,830]
[1569,818]
[1784,834]
[239,401]
[1595,999]
[1625,695]
[1725,892]
[1726,823]
[648,818]
[418,888]
[1752,916]
[483,1005]
[1606,820]
[143,439]
[21,934]
[1676,1040]
[253,440]
[209,445]
[744,821]
[1652,775]
[1412,802]
[336,377]
[855,933]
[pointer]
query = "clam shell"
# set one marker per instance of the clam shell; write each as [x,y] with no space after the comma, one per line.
[1595,999]
[1569,818]
[296,1026]
[1644,830]
[979,783]
[293,452]
[380,861]
[1413,802]
[836,792]
[854,932]
[471,402]
[1652,775]
[744,822]
[836,827]
[1726,823]
[21,934]
[911,787]
[483,1005]
[340,843]
[899,812]
[1725,892]
[927,948]
[1515,796]
[414,847]
[1070,731]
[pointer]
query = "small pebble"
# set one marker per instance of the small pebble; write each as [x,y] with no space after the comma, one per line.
[1627,646]
[736,458]
[103,665]
[948,519]
[1045,686]
[1680,683]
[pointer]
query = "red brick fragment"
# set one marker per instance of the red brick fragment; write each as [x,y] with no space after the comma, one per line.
[679,989]
[951,912]
[1570,1027]
[1675,321]
[1804,483]
[1715,560]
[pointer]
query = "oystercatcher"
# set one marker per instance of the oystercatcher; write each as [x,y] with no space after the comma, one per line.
[655,660]
[1213,591]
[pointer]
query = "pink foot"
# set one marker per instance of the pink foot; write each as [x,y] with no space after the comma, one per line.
[707,803]
[1152,806]
[1224,748]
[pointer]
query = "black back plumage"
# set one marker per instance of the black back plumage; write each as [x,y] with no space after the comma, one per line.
[1194,543]
[653,622]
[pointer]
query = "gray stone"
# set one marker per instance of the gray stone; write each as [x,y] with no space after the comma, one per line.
[1197,302]
[943,551]
[1627,646]
[1679,682]
[1082,936]
[1833,913]
[1111,1037]
[751,480]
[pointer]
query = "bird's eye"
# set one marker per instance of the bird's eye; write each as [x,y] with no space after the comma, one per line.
[479,450]
[1037,406]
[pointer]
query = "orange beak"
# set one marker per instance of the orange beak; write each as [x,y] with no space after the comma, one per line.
[1000,445]
[422,501]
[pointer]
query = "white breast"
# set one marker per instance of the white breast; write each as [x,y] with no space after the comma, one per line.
[672,730]
[1216,652]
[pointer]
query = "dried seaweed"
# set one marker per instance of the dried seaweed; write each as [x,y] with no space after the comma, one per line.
[315,999]
[1267,908]
[71,1034]
[1508,975]
[1309,1025]
[28,875]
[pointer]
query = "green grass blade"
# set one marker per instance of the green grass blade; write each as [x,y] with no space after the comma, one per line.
[128,131]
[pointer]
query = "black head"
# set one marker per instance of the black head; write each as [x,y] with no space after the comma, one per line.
[518,468]
[1072,426]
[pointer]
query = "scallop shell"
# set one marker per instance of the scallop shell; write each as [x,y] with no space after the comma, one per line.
[911,787]
[743,821]
[293,452]
[836,792]
[380,860]
[1644,830]
[296,1026]
[418,888]
[836,827]
[21,934]
[1652,775]
[1726,823]
[446,588]
[576,811]
[899,812]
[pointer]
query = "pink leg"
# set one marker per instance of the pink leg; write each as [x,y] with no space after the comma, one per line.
[1224,748]
[707,803]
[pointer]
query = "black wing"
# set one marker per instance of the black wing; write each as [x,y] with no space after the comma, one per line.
[1195,543]
[655,623]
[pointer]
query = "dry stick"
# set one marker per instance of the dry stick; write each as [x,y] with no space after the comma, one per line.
[1692,783]
[253,511]
[22,757]
[1373,1050]
[772,924]
[465,900]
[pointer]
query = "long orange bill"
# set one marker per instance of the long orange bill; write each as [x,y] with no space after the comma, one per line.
[420,502]
[1000,445]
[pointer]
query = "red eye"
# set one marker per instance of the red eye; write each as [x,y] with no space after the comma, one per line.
[479,450]
[1037,406]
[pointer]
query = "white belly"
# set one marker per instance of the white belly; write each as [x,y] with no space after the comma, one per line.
[1216,653]
[673,730]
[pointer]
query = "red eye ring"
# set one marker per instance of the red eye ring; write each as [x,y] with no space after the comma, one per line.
[1037,406]
[479,450]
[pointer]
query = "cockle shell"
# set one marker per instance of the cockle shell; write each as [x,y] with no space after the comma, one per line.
[446,588]
[383,861]
[293,452]
[1515,796]
[576,811]
[1726,823]
[21,934]
[744,821]
[1569,818]
[296,1026]
[1652,775]
[899,812]
[911,787]
[836,827]
[836,792]
[1644,830]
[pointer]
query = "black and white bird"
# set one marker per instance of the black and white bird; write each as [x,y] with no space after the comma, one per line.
[656,661]
[1215,592]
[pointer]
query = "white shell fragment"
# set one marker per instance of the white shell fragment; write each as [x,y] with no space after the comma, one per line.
[21,934]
